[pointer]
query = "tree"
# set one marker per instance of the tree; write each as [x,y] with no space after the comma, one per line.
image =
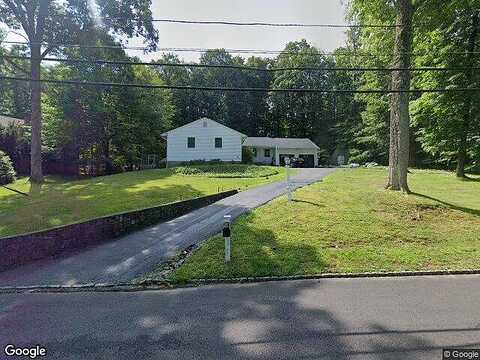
[448,123]
[55,22]
[303,115]
[378,42]
[115,126]
[14,98]
[399,104]
[244,111]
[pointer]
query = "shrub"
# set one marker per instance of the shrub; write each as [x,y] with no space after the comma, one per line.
[202,162]
[247,155]
[226,171]
[7,172]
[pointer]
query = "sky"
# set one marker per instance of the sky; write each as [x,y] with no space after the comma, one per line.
[219,36]
[262,38]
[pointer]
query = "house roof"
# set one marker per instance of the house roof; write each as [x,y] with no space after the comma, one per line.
[284,143]
[202,119]
[7,120]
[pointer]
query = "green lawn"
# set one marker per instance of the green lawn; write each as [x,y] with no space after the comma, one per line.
[60,202]
[349,223]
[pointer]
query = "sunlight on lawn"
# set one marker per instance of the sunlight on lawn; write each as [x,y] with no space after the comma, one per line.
[58,202]
[350,223]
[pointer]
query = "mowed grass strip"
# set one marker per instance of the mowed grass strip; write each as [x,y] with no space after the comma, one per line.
[350,223]
[59,202]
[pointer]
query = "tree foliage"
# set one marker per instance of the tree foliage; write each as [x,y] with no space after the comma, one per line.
[7,173]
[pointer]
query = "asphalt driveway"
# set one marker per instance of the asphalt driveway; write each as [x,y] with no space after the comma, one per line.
[138,253]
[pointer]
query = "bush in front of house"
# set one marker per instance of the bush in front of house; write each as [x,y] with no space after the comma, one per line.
[226,171]
[7,172]
[247,155]
[203,162]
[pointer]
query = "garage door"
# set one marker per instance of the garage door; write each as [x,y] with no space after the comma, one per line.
[308,160]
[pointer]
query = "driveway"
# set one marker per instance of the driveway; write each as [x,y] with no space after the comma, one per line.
[409,318]
[138,253]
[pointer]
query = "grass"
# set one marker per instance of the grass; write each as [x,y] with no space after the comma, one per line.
[349,223]
[59,202]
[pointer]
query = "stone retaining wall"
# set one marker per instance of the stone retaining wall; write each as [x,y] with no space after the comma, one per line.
[25,248]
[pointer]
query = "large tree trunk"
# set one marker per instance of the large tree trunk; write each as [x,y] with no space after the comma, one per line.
[36,173]
[465,126]
[399,102]
[462,149]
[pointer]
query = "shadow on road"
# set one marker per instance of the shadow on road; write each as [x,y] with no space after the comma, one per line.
[261,321]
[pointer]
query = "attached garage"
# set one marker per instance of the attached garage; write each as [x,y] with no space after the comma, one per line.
[274,150]
[308,160]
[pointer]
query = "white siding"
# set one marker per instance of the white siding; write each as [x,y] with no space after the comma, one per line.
[177,150]
[260,158]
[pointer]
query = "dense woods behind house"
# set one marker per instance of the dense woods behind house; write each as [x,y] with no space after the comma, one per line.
[108,129]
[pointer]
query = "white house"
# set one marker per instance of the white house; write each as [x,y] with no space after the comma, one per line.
[203,139]
[272,151]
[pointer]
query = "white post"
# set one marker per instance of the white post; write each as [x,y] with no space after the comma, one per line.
[226,236]
[287,172]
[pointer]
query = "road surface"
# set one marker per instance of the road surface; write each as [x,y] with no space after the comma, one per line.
[410,318]
[140,252]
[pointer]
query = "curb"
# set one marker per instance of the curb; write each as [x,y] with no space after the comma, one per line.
[336,276]
[119,287]
[165,285]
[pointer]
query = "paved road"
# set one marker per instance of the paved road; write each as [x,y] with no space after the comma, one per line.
[138,253]
[384,318]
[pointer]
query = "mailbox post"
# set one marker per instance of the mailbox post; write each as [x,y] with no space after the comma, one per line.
[287,174]
[226,236]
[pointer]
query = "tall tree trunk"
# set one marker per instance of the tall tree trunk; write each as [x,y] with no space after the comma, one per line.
[467,114]
[399,102]
[36,173]
[462,146]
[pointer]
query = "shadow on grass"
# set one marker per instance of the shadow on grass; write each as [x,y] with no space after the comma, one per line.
[308,202]
[256,251]
[56,202]
[451,206]
[474,179]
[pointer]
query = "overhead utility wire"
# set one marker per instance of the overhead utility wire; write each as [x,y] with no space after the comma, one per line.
[230,50]
[235,89]
[241,67]
[267,24]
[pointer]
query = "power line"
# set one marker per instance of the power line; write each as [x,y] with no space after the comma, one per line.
[229,50]
[193,50]
[175,49]
[266,24]
[236,89]
[242,67]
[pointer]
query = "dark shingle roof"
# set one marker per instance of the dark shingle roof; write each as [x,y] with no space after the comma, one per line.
[284,143]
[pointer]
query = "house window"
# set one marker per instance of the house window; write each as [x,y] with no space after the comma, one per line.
[191,143]
[254,150]
[218,143]
[267,153]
